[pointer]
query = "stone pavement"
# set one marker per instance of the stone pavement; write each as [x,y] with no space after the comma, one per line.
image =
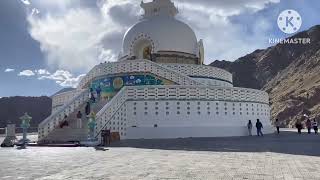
[286,156]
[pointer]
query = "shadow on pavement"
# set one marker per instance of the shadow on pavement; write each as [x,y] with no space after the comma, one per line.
[286,142]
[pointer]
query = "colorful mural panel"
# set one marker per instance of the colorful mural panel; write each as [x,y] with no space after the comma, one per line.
[112,84]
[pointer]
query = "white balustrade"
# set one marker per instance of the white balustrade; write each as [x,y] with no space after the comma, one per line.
[201,71]
[134,66]
[62,98]
[50,123]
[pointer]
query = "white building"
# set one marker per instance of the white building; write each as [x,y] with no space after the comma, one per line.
[159,88]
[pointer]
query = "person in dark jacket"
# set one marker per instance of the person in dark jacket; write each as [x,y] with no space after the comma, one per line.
[88,109]
[249,126]
[64,122]
[259,127]
[315,126]
[299,126]
[277,123]
[98,91]
[79,119]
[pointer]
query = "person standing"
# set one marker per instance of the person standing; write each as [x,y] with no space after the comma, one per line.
[259,127]
[65,121]
[249,126]
[87,109]
[98,91]
[299,126]
[79,119]
[315,126]
[277,123]
[308,125]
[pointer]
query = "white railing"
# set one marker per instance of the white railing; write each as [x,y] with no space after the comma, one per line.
[62,98]
[196,93]
[134,66]
[105,115]
[50,123]
[201,71]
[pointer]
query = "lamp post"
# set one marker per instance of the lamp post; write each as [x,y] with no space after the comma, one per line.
[25,124]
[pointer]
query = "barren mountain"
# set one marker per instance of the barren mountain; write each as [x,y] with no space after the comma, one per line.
[288,72]
[11,108]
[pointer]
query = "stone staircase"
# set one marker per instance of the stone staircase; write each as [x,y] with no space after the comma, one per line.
[72,133]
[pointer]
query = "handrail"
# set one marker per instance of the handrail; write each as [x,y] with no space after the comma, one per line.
[107,106]
[63,107]
[195,70]
[179,74]
[84,95]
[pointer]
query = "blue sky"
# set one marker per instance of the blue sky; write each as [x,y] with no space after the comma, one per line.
[46,45]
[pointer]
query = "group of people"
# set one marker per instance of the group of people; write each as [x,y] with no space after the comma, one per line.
[87,109]
[309,125]
[259,128]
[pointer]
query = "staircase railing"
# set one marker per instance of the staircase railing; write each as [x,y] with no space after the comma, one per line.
[50,123]
[105,115]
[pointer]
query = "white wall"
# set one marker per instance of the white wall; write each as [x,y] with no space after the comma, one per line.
[136,119]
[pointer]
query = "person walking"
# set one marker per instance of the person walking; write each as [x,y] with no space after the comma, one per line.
[98,91]
[299,126]
[315,126]
[277,123]
[249,126]
[308,125]
[79,119]
[87,109]
[259,127]
[91,96]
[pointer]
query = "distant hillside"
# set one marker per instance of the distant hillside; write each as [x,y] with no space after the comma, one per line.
[288,72]
[11,108]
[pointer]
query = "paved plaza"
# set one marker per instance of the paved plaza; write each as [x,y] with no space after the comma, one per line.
[285,156]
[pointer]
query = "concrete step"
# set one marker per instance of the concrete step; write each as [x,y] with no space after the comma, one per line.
[71,132]
[68,134]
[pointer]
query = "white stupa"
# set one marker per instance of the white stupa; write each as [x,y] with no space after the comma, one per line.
[159,88]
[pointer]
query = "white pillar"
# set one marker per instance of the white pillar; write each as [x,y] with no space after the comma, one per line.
[11,130]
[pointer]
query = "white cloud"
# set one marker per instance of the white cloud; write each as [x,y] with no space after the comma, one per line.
[26,2]
[224,39]
[34,11]
[42,72]
[26,73]
[79,38]
[63,78]
[9,70]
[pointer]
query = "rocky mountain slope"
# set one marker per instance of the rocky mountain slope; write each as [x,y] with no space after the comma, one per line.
[288,72]
[11,108]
